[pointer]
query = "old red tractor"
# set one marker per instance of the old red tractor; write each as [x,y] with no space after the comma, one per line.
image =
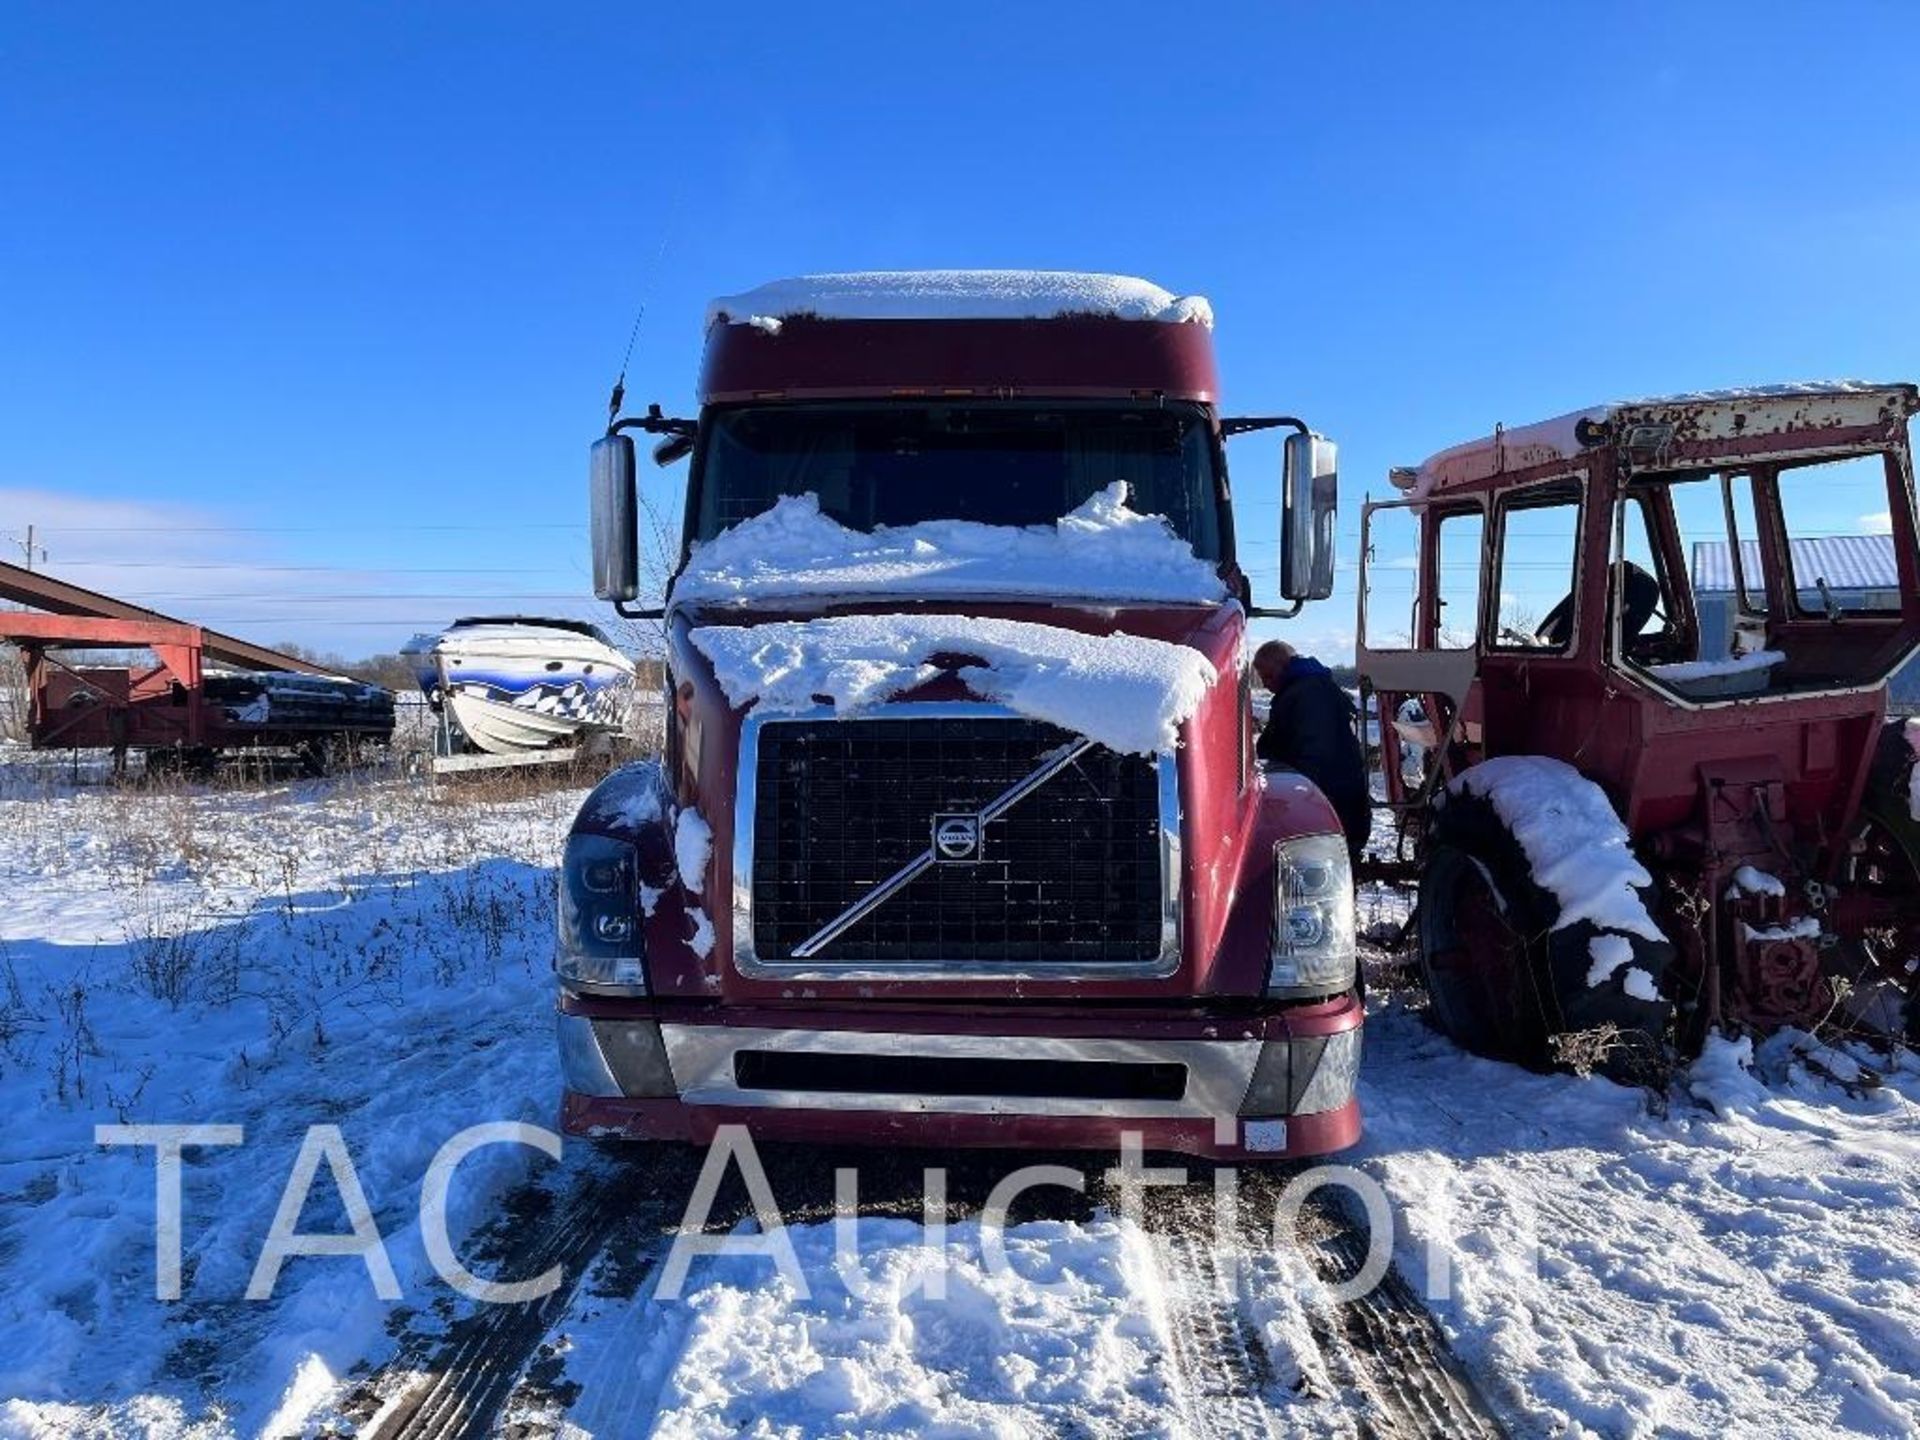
[1631,668]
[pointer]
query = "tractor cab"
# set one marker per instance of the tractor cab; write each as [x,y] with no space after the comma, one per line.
[1693,606]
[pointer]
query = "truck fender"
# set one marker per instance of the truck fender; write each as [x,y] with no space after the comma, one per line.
[635,804]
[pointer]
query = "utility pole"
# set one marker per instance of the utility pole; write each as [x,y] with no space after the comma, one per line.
[27,547]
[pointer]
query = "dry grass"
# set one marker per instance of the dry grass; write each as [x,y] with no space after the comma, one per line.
[304,901]
[13,694]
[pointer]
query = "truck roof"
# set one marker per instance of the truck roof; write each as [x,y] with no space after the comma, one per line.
[958,333]
[1701,415]
[958,295]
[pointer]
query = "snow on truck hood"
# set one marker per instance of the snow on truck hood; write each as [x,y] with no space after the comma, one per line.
[1127,692]
[1101,551]
[958,295]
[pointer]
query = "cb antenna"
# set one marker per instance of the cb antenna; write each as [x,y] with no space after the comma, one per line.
[615,400]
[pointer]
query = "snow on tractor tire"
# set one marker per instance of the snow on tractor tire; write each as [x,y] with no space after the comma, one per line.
[1675,803]
[1534,919]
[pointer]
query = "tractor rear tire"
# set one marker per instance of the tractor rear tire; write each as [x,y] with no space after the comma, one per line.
[1479,968]
[1505,977]
[1887,808]
[1888,801]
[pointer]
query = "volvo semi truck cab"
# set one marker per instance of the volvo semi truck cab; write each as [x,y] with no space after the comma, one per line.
[959,837]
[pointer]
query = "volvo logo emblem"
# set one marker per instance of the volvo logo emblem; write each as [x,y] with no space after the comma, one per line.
[956,838]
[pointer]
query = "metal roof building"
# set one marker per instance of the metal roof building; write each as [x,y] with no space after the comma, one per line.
[1845,562]
[1859,571]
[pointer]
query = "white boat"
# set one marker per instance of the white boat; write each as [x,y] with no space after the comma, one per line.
[513,684]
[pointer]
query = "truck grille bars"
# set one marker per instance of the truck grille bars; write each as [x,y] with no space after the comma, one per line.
[951,842]
[957,836]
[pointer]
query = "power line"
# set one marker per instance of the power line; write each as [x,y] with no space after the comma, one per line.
[359,528]
[105,564]
[286,599]
[256,621]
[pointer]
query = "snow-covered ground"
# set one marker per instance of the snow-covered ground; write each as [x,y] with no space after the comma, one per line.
[361,955]
[1747,1263]
[1739,1255]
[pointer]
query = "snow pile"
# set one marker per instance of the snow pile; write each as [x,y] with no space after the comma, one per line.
[1100,551]
[1722,1077]
[1609,953]
[692,847]
[1127,692]
[1805,928]
[1062,1344]
[1574,843]
[958,295]
[701,940]
[1690,670]
[1749,881]
[1639,984]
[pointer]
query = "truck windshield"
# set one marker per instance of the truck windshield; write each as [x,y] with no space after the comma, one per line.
[998,464]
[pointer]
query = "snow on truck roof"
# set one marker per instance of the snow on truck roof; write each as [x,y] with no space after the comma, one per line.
[957,295]
[1567,435]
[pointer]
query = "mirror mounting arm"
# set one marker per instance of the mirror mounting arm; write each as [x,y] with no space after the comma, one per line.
[646,612]
[1245,424]
[1275,612]
[655,423]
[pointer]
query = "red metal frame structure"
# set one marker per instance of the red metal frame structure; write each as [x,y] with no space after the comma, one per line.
[162,706]
[58,597]
[155,705]
[1777,780]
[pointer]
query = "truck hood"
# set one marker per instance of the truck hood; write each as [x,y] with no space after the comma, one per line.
[1229,821]
[1129,677]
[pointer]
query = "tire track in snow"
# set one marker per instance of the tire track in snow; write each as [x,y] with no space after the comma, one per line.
[1226,1372]
[1377,1365]
[1251,1357]
[458,1387]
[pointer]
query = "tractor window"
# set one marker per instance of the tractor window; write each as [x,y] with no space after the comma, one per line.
[1392,576]
[1643,590]
[1538,575]
[1461,537]
[1743,525]
[1839,536]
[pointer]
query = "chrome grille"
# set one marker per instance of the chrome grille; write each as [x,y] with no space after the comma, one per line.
[1070,876]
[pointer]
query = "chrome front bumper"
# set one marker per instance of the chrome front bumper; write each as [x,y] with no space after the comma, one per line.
[1306,1074]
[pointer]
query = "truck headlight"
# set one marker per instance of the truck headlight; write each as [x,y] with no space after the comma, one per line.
[600,942]
[1313,951]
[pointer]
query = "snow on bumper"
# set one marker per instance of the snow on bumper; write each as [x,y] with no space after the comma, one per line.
[1273,1084]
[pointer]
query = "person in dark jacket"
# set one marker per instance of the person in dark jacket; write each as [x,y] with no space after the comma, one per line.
[1310,729]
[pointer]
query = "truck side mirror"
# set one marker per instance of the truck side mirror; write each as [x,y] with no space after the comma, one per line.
[1310,502]
[614,500]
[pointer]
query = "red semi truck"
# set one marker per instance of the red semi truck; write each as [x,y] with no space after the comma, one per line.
[959,837]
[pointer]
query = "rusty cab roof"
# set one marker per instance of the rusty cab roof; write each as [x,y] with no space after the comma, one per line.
[1687,429]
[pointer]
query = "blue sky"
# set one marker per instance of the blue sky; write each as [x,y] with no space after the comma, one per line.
[287,291]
